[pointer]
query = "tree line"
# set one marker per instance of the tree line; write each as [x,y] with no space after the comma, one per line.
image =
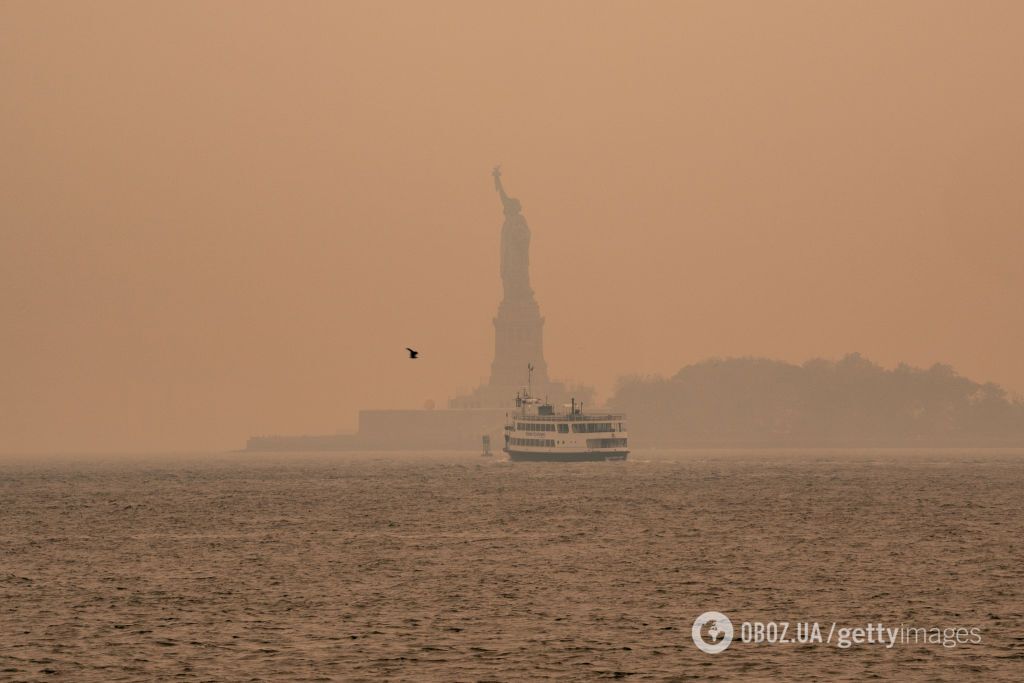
[853,401]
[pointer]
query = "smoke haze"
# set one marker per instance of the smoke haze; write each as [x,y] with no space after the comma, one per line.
[219,220]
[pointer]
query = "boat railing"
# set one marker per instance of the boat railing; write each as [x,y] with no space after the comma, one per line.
[573,417]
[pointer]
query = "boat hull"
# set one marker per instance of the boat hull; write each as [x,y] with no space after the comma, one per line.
[565,456]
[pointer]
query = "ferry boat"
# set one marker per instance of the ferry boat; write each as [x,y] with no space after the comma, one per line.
[537,432]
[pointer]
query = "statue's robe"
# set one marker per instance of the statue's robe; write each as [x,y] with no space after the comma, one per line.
[515,258]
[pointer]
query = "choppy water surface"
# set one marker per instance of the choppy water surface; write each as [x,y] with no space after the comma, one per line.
[450,566]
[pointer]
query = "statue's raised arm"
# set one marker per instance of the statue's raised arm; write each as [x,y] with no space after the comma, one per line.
[497,183]
[511,205]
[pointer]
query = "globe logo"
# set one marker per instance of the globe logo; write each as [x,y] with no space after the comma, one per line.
[712,632]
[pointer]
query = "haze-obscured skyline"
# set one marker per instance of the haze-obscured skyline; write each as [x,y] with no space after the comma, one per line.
[226,219]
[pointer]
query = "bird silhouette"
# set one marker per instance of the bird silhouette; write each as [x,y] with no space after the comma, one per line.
[412,353]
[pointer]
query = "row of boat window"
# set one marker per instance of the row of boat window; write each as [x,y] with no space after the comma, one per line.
[606,443]
[532,442]
[592,427]
[541,427]
[578,427]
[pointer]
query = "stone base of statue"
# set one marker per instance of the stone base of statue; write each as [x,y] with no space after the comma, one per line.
[518,347]
[518,344]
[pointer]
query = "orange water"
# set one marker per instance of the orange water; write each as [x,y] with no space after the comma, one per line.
[455,567]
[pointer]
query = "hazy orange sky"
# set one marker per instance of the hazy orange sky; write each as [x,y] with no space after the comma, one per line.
[224,219]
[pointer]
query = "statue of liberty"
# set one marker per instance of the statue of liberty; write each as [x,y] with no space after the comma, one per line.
[518,325]
[515,246]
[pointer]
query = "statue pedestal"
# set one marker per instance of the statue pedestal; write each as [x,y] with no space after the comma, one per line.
[518,343]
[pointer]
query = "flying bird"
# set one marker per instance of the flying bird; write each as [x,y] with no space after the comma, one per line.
[412,353]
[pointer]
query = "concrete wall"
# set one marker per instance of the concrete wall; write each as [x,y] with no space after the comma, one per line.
[400,430]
